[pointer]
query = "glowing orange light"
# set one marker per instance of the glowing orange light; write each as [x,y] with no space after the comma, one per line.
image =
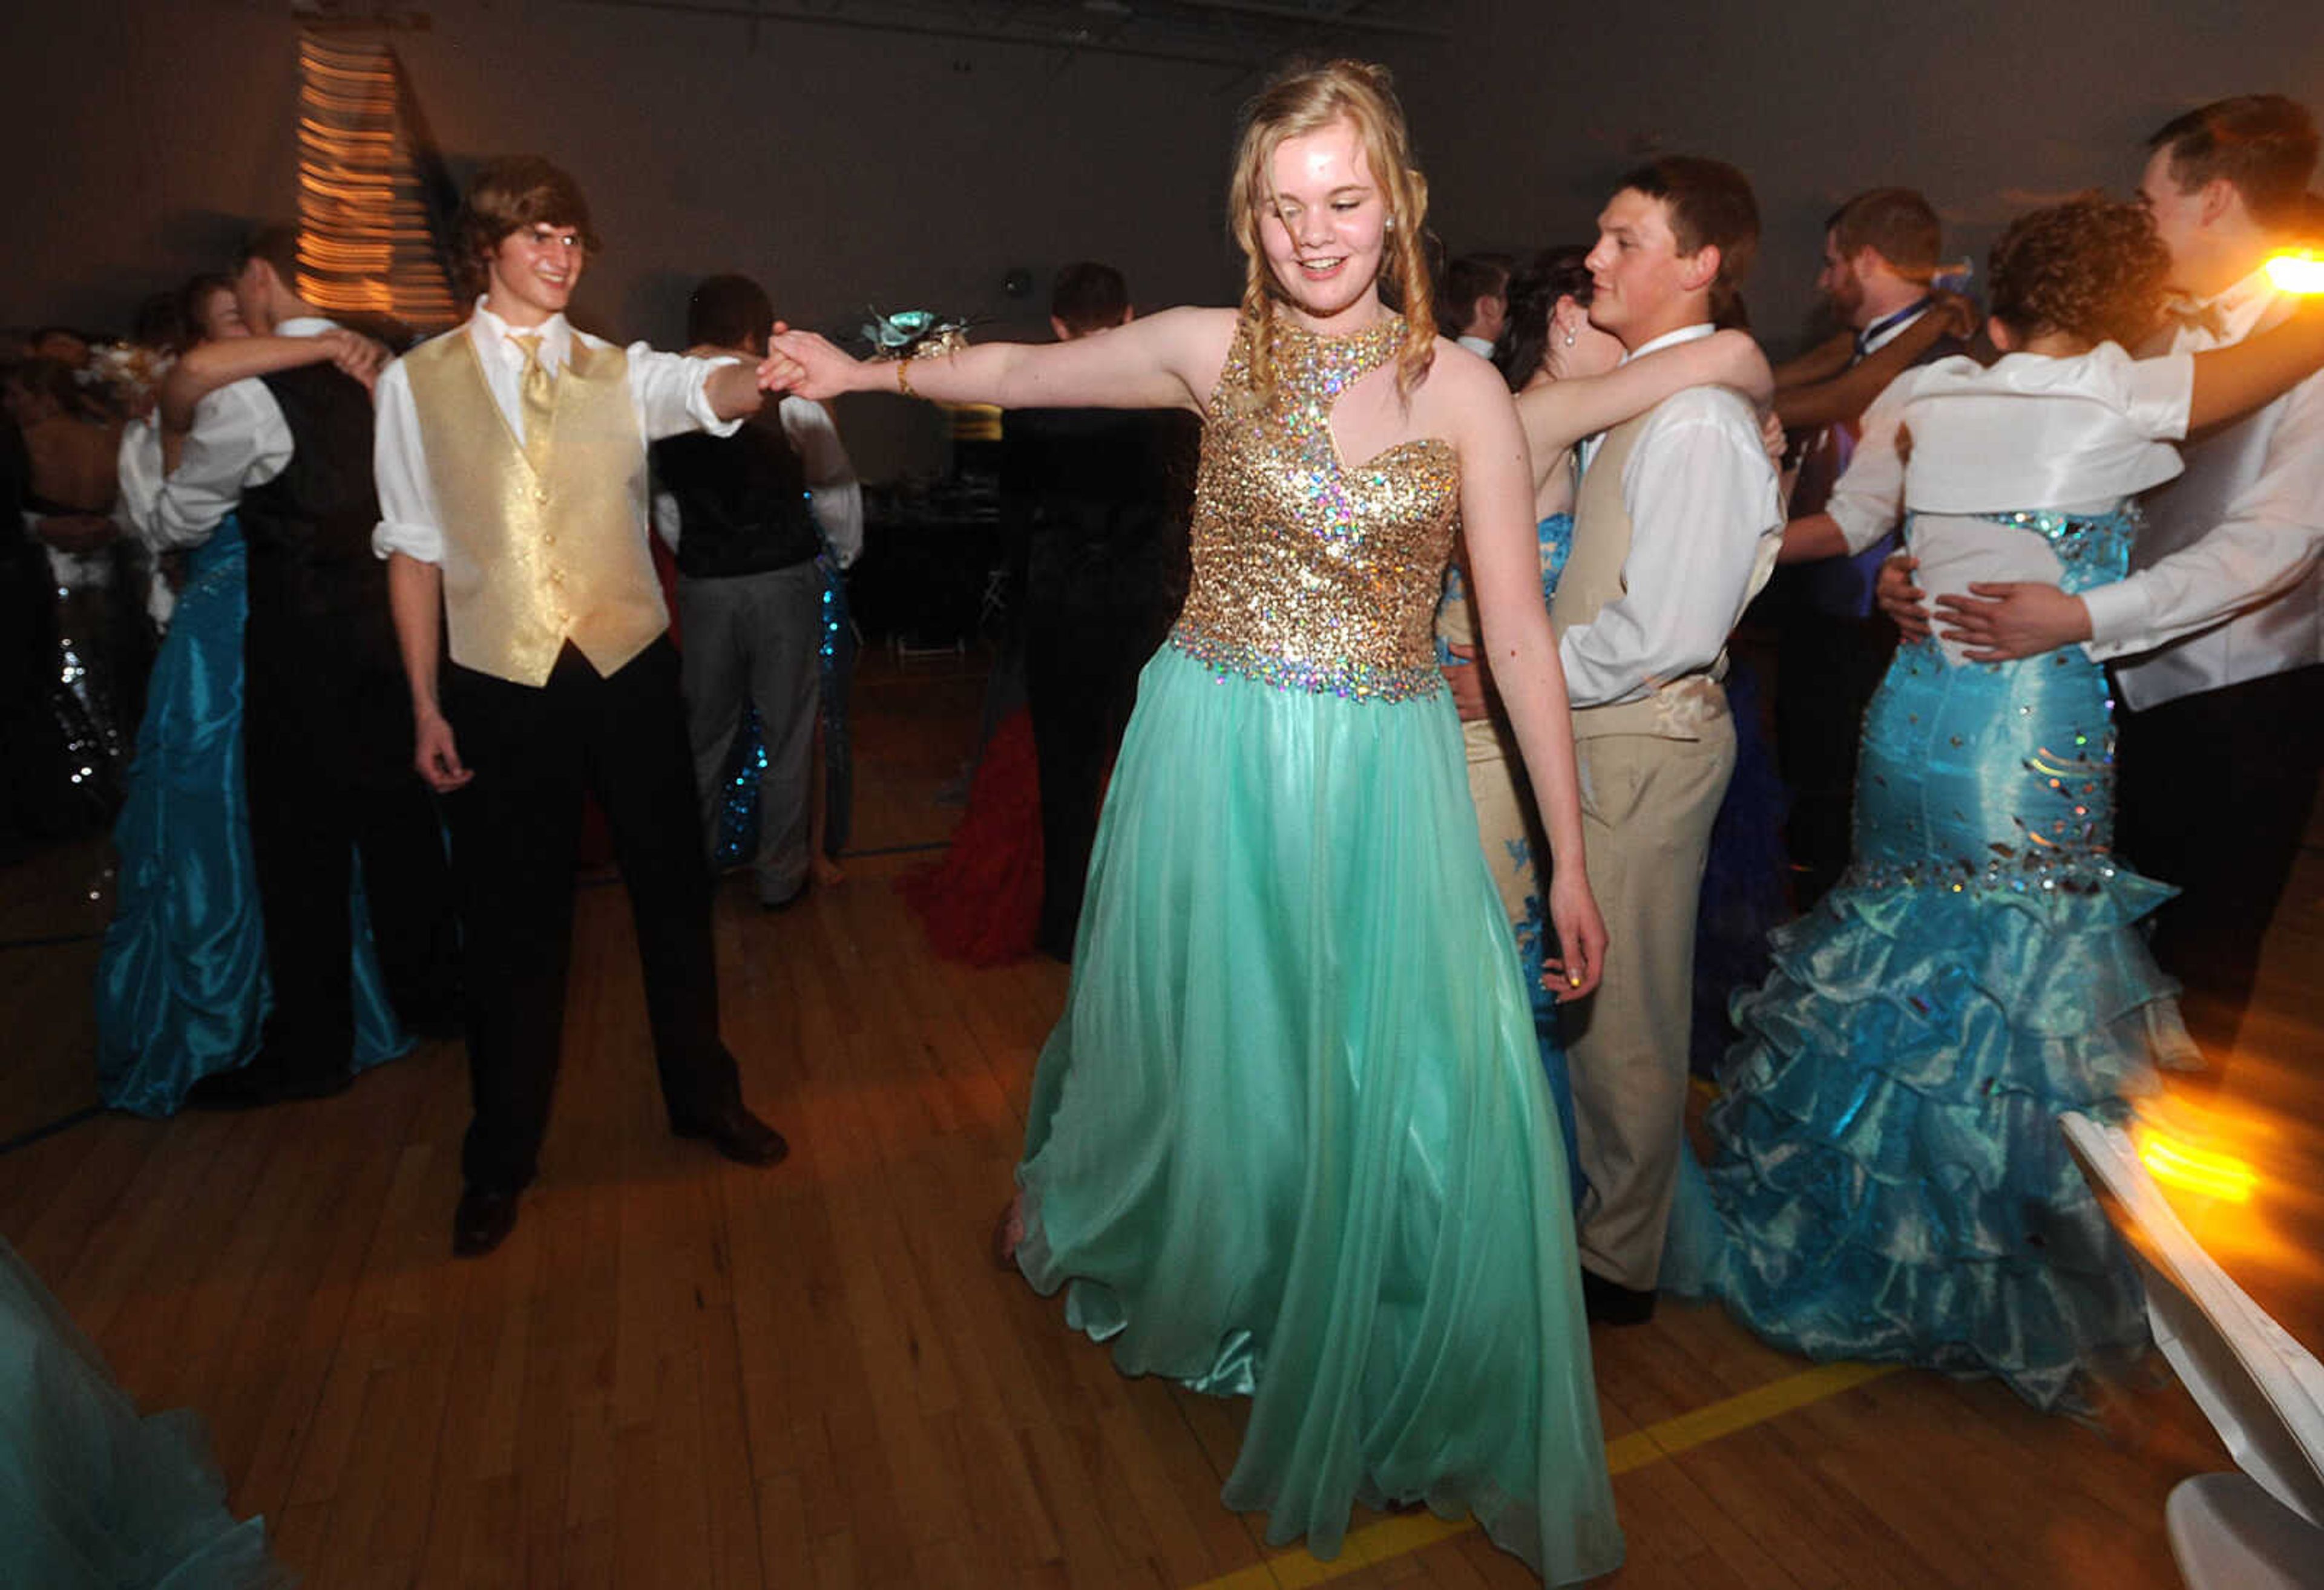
[2299,271]
[2199,1171]
[365,242]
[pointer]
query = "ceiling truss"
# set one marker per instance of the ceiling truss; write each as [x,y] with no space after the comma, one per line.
[1243,34]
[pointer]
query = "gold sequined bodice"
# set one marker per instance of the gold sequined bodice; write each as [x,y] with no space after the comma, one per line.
[1307,574]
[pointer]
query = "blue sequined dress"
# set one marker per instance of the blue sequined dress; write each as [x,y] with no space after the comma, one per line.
[182,986]
[1290,1139]
[1887,1179]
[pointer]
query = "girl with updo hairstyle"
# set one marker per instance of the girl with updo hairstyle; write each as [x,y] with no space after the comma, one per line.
[1291,1138]
[1887,1180]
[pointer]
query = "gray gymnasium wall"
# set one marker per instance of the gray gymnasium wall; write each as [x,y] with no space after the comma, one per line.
[845,167]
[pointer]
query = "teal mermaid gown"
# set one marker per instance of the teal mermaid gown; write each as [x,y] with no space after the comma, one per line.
[1887,1181]
[94,1496]
[181,980]
[1291,1138]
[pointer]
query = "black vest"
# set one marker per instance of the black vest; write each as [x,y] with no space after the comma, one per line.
[312,574]
[1101,498]
[742,500]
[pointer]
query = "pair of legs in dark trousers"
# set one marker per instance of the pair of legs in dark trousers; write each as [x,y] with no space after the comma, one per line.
[1086,639]
[753,639]
[326,732]
[2216,790]
[1827,669]
[533,751]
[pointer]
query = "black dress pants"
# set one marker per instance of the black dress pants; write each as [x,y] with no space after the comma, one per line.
[327,736]
[2216,790]
[1827,670]
[515,828]
[1096,611]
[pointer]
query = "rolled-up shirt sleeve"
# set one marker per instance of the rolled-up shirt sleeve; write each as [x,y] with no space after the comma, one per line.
[833,494]
[1701,496]
[667,389]
[2270,539]
[409,522]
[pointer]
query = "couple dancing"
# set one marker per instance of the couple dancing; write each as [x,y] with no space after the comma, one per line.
[284,913]
[1292,1138]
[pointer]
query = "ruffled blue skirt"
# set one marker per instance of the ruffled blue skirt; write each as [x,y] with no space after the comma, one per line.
[1887,1179]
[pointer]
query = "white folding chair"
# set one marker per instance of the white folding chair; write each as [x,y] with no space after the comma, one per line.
[2263,1526]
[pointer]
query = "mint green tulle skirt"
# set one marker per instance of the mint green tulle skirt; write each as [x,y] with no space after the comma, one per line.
[94,1495]
[1291,1139]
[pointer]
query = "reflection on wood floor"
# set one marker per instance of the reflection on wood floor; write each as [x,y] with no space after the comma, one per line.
[682,1373]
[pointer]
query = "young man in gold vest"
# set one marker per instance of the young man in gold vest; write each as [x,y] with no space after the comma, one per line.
[1676,525]
[511,468]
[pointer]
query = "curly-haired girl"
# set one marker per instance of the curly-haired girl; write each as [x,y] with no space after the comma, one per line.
[1887,1179]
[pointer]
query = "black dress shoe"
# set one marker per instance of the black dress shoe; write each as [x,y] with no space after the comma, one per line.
[739,1134]
[1608,1302]
[264,1082]
[435,1024]
[482,1221]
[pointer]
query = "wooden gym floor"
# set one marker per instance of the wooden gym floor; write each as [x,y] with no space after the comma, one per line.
[681,1372]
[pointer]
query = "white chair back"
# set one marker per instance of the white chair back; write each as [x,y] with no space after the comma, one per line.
[2262,1390]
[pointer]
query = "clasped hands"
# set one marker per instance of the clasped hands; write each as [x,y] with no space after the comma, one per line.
[802,365]
[1996,622]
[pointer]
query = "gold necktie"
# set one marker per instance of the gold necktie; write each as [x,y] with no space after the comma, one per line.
[538,396]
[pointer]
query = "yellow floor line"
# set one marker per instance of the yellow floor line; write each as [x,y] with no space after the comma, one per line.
[1407,1532]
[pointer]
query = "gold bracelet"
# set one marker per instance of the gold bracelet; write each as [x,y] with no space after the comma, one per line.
[903,382]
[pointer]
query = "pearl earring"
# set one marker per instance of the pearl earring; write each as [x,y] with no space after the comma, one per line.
[1569,339]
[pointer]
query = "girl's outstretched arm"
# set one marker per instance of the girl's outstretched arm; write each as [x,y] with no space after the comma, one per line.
[1166,361]
[205,368]
[1559,413]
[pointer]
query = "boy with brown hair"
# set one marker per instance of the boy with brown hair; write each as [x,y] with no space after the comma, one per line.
[1676,524]
[511,470]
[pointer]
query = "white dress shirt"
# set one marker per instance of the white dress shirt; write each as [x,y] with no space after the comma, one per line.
[138,467]
[1704,504]
[1482,346]
[834,495]
[2226,598]
[666,394]
[2077,434]
[239,440]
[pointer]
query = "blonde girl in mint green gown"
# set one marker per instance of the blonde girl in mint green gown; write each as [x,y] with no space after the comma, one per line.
[1291,1139]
